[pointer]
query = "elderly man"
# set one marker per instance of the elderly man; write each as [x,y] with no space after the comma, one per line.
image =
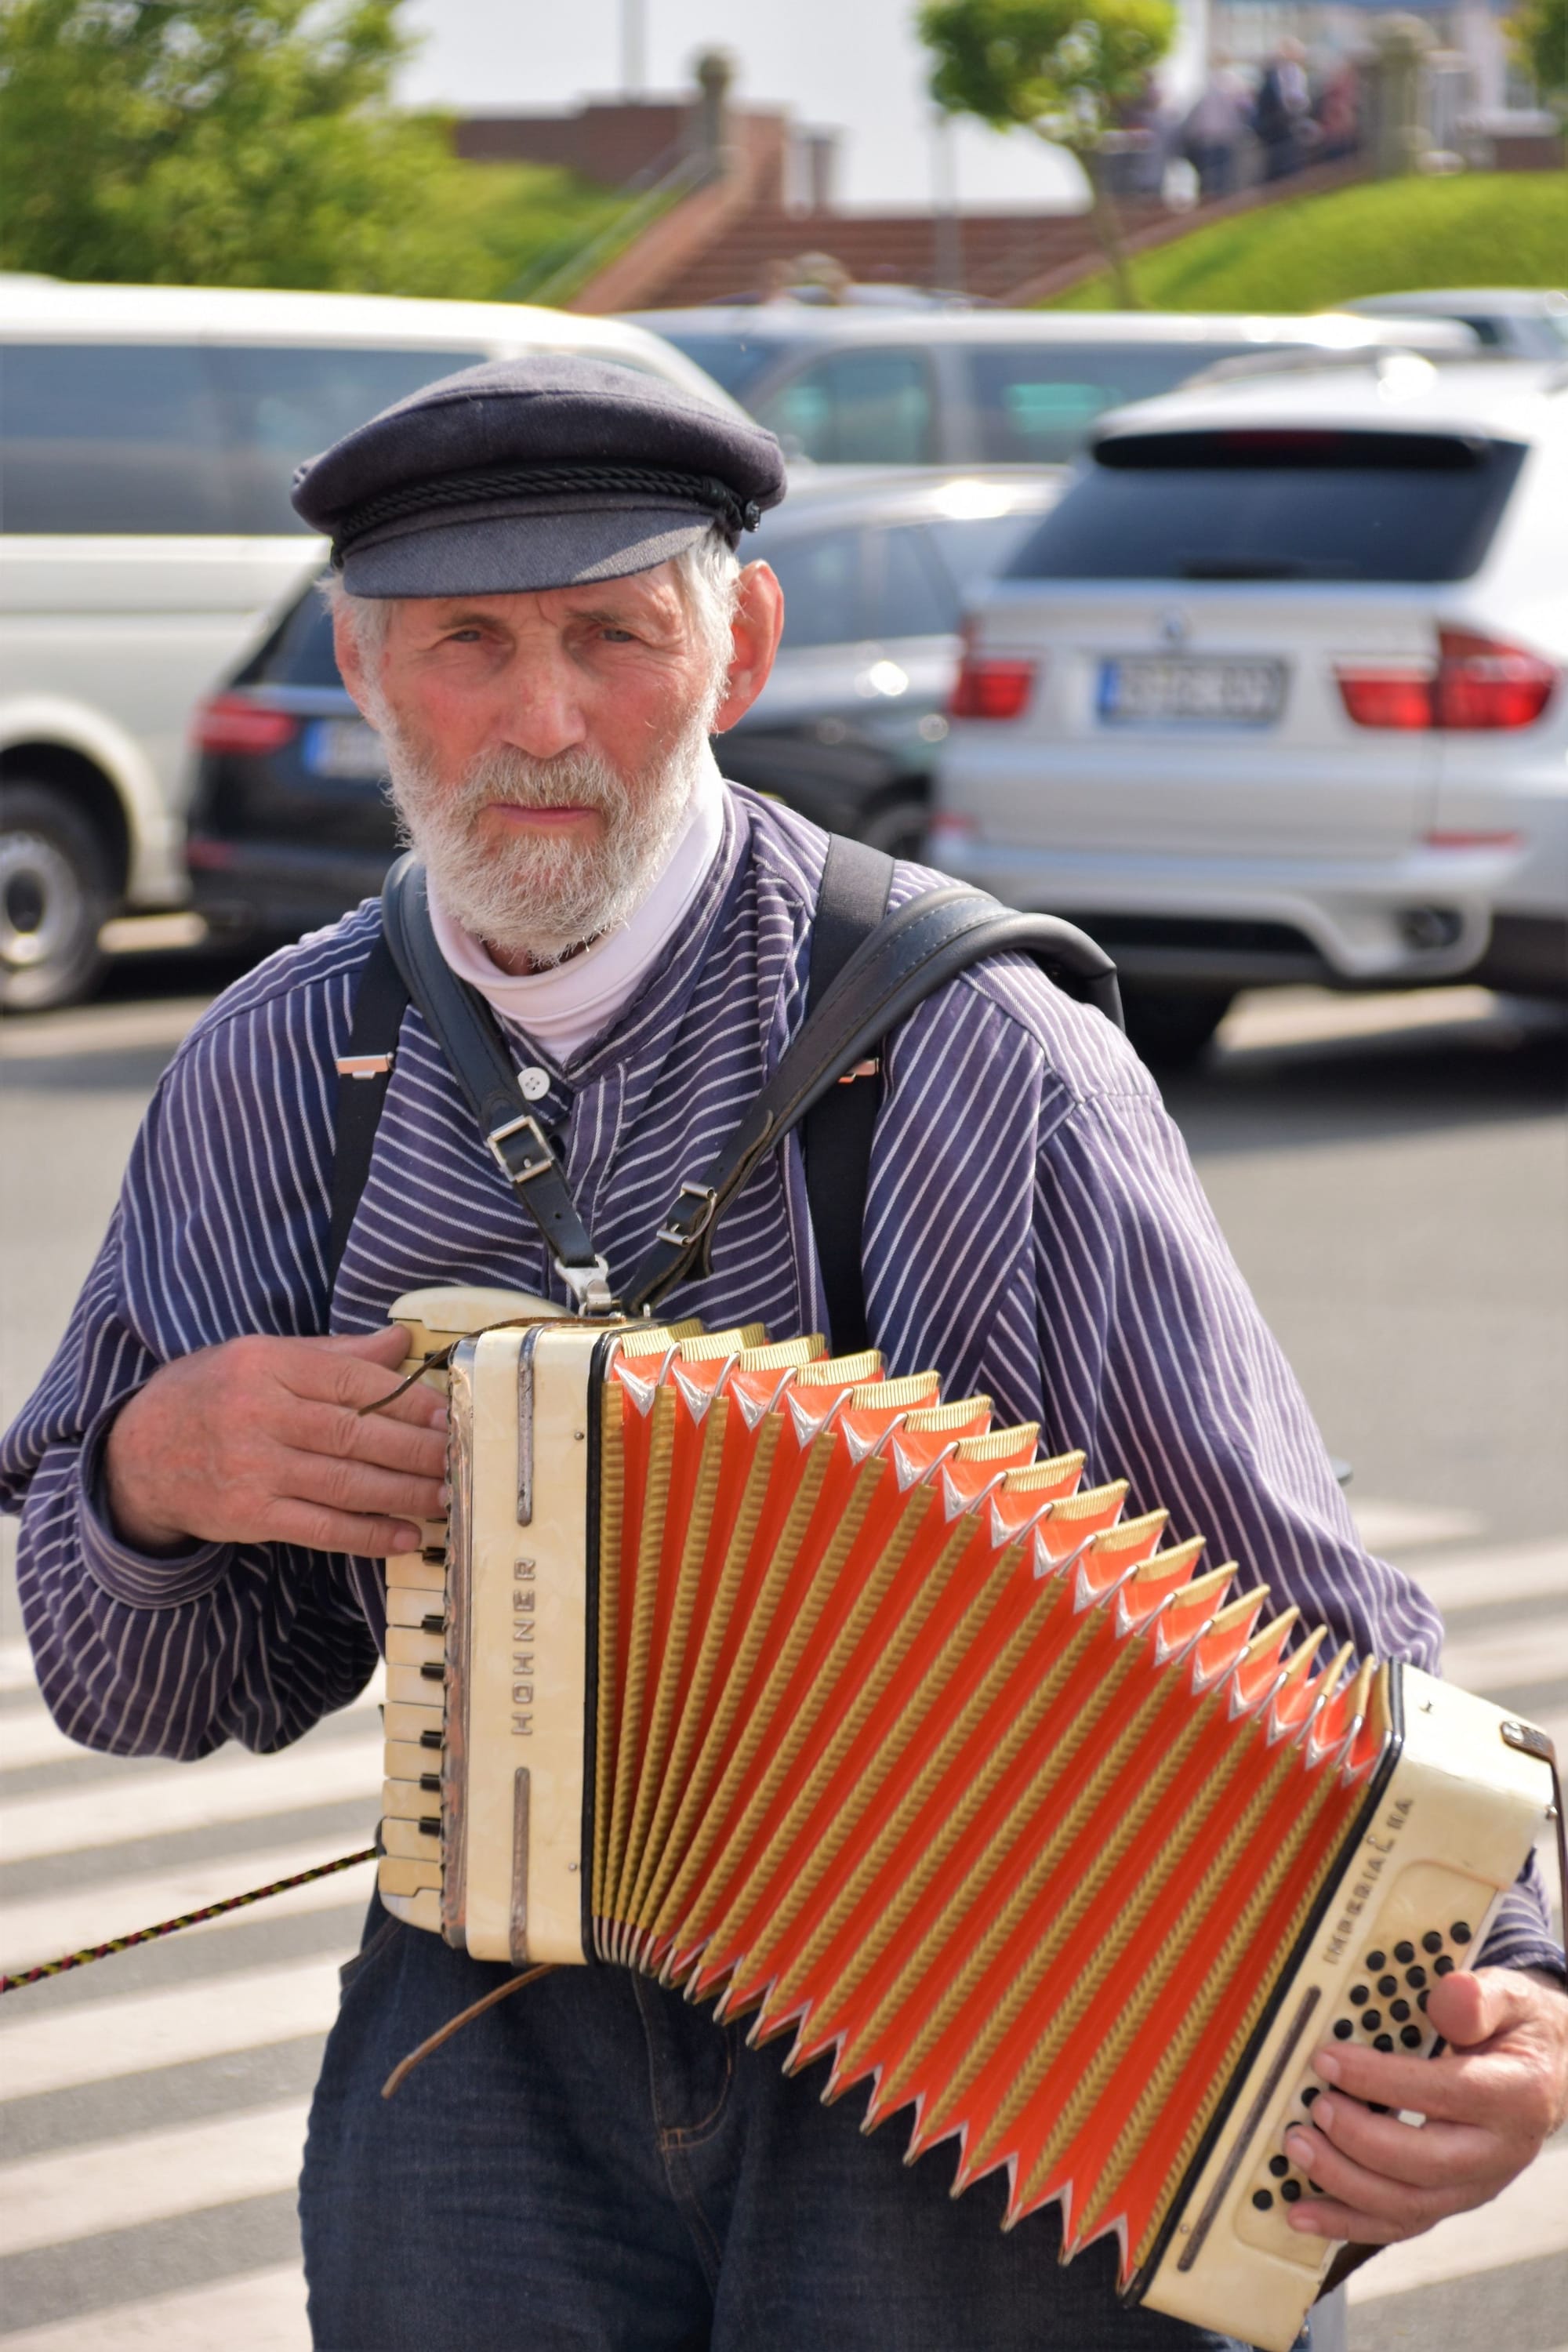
[540,608]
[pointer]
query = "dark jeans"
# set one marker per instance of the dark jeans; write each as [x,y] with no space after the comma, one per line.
[595,2163]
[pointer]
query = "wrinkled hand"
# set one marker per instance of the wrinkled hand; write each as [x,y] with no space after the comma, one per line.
[259,1441]
[1489,2101]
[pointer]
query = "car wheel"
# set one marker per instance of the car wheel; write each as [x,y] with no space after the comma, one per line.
[899,827]
[54,897]
[1171,1029]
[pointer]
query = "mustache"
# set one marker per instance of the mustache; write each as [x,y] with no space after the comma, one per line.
[580,779]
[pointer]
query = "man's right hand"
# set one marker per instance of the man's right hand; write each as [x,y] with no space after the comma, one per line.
[261,1441]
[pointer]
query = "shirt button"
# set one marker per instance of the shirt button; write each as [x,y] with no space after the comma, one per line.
[535,1083]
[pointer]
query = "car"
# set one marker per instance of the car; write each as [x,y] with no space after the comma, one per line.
[289,819]
[1275,692]
[857,384]
[150,432]
[1529,321]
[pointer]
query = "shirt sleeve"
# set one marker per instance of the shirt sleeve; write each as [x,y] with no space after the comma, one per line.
[219,1230]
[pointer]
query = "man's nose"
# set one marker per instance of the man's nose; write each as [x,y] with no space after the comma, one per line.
[542,716]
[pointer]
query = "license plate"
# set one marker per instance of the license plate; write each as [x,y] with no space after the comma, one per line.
[1154,689]
[344,747]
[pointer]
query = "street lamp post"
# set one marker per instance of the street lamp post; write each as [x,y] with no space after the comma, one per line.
[634,48]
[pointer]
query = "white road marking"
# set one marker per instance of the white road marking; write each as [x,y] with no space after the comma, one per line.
[16,1668]
[122,2184]
[1507,1655]
[264,2311]
[1390,1529]
[193,1797]
[1318,1017]
[129,2034]
[74,1918]
[1483,1579]
[1528,2220]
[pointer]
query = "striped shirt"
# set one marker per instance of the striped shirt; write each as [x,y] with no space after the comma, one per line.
[1034,1229]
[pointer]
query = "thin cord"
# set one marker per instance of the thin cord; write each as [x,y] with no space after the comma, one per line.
[400,2072]
[188,1919]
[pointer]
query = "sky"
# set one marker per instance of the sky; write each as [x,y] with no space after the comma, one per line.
[854,66]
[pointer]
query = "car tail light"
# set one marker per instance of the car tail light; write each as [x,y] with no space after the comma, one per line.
[990,685]
[1476,682]
[230,722]
[1481,683]
[1386,694]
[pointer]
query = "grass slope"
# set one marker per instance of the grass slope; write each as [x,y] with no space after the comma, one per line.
[1491,228]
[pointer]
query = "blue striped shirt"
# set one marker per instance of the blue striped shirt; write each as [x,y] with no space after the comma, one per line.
[1034,1229]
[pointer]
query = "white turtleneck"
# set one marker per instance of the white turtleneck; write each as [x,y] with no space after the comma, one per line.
[562,1008]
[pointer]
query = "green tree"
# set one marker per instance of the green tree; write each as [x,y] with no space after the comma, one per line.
[1061,68]
[1537,35]
[224,143]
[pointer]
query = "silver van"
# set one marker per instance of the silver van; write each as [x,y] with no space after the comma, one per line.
[868,384]
[147,434]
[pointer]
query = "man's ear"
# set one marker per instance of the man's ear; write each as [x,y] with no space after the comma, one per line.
[345,648]
[757,628]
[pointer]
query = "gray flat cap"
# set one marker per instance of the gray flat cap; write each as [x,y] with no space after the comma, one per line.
[545,471]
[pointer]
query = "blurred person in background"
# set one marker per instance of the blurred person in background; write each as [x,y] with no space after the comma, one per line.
[1282,111]
[1337,111]
[1215,130]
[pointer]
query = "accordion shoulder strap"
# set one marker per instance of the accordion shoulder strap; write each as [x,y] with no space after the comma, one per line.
[477,1054]
[364,1072]
[912,953]
[835,1133]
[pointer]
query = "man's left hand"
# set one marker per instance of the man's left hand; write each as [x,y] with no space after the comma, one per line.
[1498,2091]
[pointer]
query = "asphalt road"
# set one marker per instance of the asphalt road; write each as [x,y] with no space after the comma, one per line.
[1393,1175]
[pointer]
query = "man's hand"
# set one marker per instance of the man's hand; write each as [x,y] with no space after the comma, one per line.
[259,1441]
[1494,2096]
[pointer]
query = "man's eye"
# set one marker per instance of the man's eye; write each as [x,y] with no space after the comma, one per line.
[618,636]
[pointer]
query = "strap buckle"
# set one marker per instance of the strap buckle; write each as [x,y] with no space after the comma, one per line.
[590,1287]
[700,1218]
[526,1125]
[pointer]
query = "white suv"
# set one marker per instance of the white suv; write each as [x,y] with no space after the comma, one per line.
[1276,691]
[150,434]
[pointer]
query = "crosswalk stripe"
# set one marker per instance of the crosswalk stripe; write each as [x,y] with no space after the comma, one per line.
[129,2034]
[1508,1655]
[76,1917]
[263,2311]
[1528,2220]
[122,2184]
[1484,1580]
[15,1666]
[29,1734]
[192,1797]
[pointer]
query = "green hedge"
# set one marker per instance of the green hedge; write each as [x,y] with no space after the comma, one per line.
[1307,253]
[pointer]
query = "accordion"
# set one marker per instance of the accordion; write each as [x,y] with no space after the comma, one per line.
[797,1687]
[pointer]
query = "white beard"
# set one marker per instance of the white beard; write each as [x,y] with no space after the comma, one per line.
[543,897]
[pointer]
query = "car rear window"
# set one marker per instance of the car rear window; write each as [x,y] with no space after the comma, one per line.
[1036,402]
[1276,505]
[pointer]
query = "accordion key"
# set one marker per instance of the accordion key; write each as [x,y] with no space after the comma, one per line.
[796,1687]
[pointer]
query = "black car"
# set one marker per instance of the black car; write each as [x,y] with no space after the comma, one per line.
[288,822]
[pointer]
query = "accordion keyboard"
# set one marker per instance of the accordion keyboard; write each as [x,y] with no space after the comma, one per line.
[415,1722]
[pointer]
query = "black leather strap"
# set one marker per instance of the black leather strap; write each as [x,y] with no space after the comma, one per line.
[476,1052]
[364,1073]
[926,943]
[835,1133]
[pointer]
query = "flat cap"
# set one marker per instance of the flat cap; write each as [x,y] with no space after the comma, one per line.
[542,472]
